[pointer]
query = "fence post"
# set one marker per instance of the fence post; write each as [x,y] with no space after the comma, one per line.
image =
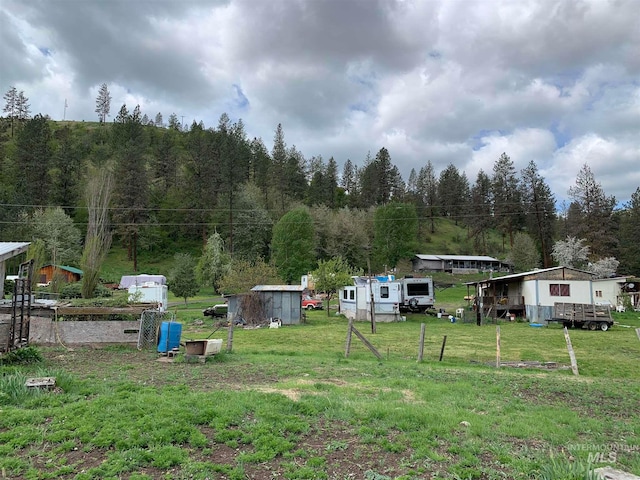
[421,343]
[347,348]
[444,342]
[498,346]
[572,355]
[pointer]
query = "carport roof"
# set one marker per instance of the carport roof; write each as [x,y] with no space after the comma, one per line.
[278,288]
[11,249]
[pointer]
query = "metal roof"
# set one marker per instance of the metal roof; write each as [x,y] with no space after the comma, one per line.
[479,258]
[277,288]
[526,274]
[77,271]
[11,249]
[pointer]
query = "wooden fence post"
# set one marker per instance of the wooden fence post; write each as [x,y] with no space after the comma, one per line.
[572,355]
[230,337]
[421,342]
[444,342]
[347,347]
[498,346]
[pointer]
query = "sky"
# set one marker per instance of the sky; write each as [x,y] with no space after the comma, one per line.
[454,81]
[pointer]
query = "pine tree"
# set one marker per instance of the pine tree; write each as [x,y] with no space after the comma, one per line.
[103,103]
[480,219]
[453,192]
[23,107]
[507,203]
[539,208]
[591,217]
[629,235]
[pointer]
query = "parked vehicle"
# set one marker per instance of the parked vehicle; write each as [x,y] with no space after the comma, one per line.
[309,303]
[582,315]
[217,311]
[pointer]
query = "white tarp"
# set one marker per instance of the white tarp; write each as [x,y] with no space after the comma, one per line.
[127,280]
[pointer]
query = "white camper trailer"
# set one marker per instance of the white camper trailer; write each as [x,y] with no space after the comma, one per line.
[416,294]
[149,292]
[355,301]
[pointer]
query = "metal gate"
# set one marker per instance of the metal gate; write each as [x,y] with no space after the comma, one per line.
[150,321]
[17,333]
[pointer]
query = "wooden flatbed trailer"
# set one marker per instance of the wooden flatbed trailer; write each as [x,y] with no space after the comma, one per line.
[582,315]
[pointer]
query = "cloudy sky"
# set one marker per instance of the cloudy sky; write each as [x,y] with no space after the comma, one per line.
[452,81]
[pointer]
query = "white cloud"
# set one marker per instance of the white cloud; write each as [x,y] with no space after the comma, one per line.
[456,81]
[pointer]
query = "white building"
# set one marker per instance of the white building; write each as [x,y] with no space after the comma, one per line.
[532,294]
[356,301]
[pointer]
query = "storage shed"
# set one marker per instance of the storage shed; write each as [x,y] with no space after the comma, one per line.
[70,274]
[281,301]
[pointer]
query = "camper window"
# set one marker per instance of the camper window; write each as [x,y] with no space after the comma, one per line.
[384,292]
[416,289]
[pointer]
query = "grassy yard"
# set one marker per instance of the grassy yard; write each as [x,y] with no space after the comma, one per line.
[286,403]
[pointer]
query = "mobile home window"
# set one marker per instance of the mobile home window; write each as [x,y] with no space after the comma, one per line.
[384,292]
[352,294]
[345,294]
[559,290]
[599,293]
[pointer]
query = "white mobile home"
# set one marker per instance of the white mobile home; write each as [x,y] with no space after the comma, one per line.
[532,294]
[355,301]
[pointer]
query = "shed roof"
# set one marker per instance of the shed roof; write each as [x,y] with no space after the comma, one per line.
[479,258]
[278,288]
[526,274]
[11,249]
[66,268]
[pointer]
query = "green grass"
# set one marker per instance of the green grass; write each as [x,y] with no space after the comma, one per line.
[289,402]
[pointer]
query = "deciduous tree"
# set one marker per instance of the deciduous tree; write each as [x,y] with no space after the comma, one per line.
[98,190]
[524,253]
[214,263]
[396,227]
[292,245]
[571,252]
[246,274]
[331,275]
[182,277]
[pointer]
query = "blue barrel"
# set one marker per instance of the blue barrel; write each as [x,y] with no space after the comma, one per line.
[169,336]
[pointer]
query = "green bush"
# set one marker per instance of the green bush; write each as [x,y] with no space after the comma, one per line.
[74,290]
[21,356]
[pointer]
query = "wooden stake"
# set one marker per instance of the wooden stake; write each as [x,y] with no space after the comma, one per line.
[498,346]
[638,333]
[572,355]
[230,337]
[367,343]
[347,348]
[444,342]
[421,343]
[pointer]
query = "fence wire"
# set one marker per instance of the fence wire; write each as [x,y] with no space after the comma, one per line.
[150,321]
